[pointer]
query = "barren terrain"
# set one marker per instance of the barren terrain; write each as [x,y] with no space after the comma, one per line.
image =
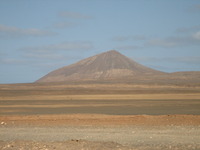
[99,116]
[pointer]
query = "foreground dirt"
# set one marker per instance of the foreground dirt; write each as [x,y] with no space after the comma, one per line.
[100,116]
[101,137]
[88,145]
[66,145]
[92,132]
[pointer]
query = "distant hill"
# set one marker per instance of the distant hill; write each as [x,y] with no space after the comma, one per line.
[111,66]
[107,65]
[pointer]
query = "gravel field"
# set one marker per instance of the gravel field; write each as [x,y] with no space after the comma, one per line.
[101,137]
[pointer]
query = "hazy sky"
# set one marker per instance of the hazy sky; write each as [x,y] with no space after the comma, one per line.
[38,36]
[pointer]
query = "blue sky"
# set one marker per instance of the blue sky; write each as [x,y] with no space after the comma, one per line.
[38,36]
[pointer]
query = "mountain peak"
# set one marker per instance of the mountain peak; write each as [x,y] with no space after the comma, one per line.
[112,51]
[107,65]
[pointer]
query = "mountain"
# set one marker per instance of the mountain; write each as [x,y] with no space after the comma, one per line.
[107,65]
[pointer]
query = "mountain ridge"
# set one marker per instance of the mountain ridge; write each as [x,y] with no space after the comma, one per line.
[110,65]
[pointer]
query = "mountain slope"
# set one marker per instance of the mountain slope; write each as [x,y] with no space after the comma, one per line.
[107,65]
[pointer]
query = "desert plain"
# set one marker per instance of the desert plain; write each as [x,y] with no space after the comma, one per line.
[99,116]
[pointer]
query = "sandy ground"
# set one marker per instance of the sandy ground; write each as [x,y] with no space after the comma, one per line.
[92,131]
[90,137]
[103,116]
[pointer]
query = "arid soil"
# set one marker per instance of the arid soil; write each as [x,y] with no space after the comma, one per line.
[99,120]
[100,132]
[66,145]
[141,132]
[101,137]
[91,117]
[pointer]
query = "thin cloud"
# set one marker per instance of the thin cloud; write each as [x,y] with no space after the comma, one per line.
[168,42]
[196,36]
[12,31]
[174,41]
[74,15]
[11,61]
[44,56]
[129,38]
[127,47]
[193,60]
[190,60]
[2,54]
[188,29]
[195,8]
[63,25]
[61,46]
